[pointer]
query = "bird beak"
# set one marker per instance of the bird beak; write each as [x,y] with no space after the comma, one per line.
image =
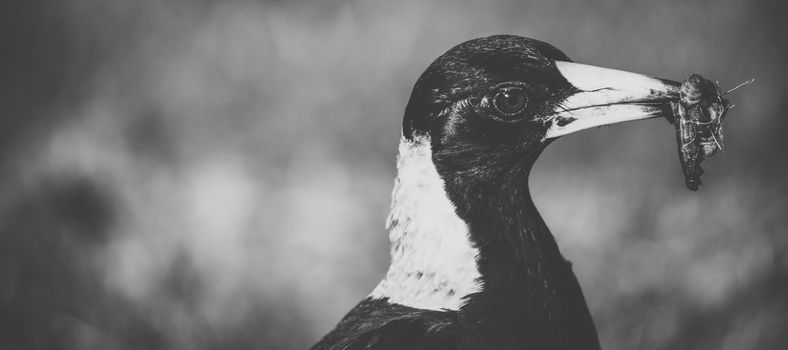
[607,96]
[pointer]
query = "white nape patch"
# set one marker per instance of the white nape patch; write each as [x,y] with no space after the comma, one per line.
[433,261]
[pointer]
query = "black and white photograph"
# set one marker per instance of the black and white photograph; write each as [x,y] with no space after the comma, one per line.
[393,175]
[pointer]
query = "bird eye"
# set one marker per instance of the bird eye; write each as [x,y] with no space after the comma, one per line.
[510,101]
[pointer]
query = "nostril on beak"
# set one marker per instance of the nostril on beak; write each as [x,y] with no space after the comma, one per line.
[564,120]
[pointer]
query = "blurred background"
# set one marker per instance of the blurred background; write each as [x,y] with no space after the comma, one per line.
[216,174]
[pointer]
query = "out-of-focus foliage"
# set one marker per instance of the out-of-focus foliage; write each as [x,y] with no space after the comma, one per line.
[215,174]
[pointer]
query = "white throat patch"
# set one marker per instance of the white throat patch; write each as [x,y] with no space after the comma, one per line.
[433,262]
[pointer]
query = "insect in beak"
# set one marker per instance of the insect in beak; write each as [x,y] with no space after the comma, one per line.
[698,116]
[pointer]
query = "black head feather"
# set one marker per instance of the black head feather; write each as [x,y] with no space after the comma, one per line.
[453,102]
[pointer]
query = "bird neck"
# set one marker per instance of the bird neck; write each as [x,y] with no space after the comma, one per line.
[490,258]
[523,272]
[529,292]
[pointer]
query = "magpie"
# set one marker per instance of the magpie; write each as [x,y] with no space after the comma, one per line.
[473,265]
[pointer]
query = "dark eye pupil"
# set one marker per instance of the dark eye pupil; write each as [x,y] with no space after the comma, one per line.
[510,101]
[513,100]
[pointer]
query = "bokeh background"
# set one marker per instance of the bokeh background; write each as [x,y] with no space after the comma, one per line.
[216,174]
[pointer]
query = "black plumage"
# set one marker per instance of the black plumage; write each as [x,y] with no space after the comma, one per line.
[529,296]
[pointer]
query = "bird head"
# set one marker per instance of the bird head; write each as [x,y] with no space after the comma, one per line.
[462,220]
[489,106]
[465,234]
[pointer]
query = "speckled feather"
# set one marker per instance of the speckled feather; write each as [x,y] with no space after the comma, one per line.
[433,261]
